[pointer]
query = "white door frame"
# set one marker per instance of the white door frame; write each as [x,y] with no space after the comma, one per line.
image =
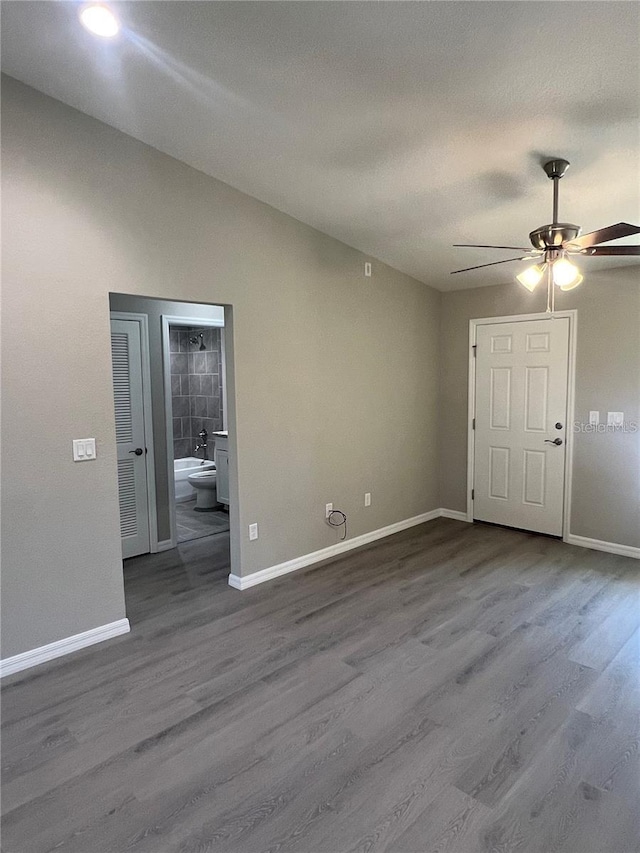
[572,315]
[171,320]
[149,458]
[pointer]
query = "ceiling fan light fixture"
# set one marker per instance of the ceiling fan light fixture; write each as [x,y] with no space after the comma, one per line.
[573,284]
[552,243]
[565,274]
[531,277]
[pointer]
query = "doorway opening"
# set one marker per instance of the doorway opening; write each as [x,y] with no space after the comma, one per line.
[195,397]
[172,374]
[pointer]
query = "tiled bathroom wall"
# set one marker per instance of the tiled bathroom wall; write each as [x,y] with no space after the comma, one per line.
[196,387]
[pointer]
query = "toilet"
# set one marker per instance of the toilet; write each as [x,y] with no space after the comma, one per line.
[204,482]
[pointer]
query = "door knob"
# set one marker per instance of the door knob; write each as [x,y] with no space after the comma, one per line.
[138,451]
[556,441]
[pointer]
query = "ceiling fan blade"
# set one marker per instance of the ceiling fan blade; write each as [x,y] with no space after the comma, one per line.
[482,246]
[508,261]
[604,235]
[611,250]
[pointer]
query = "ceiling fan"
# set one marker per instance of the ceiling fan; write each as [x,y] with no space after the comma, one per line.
[554,245]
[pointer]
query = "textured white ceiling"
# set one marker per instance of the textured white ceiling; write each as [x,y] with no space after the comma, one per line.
[399,128]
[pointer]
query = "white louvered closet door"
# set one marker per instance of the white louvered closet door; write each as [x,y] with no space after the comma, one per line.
[126,355]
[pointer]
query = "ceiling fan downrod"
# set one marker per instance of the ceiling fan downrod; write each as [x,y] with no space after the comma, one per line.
[552,236]
[555,169]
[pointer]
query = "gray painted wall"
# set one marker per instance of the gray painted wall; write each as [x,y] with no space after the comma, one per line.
[336,375]
[154,309]
[606,467]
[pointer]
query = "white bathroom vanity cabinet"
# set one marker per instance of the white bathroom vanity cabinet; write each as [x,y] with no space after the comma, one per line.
[221,459]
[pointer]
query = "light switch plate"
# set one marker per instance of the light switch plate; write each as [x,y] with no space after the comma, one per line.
[594,418]
[253,531]
[84,449]
[615,418]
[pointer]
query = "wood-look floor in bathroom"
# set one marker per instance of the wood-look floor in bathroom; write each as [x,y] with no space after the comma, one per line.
[454,688]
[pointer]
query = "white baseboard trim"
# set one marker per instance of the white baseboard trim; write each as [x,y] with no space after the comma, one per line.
[255,578]
[25,660]
[165,545]
[455,514]
[306,560]
[600,545]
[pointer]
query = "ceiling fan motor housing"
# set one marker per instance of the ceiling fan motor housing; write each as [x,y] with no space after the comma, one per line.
[553,236]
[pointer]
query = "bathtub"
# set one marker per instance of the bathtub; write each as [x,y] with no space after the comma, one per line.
[182,469]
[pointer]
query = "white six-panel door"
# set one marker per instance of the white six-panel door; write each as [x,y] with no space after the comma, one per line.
[521,423]
[126,354]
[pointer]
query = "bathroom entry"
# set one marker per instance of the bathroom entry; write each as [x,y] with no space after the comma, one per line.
[196,420]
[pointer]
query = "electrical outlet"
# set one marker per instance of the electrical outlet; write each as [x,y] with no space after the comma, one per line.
[253,531]
[328,510]
[367,498]
[615,419]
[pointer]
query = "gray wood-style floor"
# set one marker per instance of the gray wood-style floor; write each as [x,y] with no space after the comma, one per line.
[454,688]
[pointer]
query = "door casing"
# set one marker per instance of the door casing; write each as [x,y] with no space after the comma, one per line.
[572,314]
[143,322]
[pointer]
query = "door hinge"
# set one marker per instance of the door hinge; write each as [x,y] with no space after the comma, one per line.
[473,494]
[473,424]
[475,350]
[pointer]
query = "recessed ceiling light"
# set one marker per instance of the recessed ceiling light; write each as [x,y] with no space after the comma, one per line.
[100,21]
